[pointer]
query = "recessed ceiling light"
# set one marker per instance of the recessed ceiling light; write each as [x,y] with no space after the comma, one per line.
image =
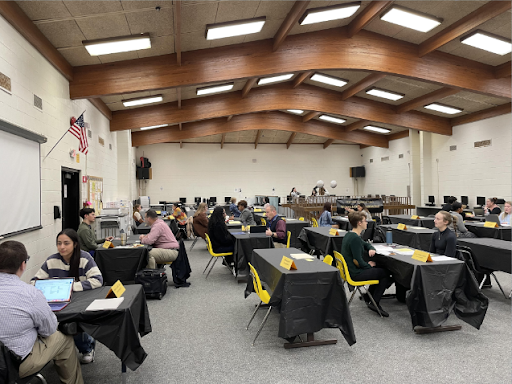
[332,119]
[234,28]
[274,79]
[142,100]
[376,129]
[214,89]
[443,108]
[411,19]
[154,126]
[117,45]
[296,111]
[378,92]
[488,42]
[326,79]
[335,12]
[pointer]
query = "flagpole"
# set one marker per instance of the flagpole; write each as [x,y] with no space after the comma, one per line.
[60,140]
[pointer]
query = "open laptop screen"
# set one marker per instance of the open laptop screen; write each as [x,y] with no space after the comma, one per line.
[56,290]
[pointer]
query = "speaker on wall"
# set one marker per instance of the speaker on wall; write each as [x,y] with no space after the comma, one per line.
[357,172]
[144,173]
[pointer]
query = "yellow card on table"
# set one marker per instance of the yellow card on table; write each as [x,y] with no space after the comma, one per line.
[333,232]
[415,217]
[116,290]
[158,212]
[107,244]
[490,224]
[421,256]
[401,226]
[288,263]
[171,217]
[258,210]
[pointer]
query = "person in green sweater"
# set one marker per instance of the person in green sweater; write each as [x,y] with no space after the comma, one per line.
[352,250]
[86,235]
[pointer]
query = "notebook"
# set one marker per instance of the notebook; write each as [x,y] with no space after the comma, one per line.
[57,292]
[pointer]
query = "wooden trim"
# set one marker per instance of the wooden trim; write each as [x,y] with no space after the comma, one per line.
[20,21]
[310,115]
[503,70]
[288,23]
[322,50]
[290,140]
[177,30]
[328,142]
[300,79]
[362,146]
[222,140]
[102,107]
[426,99]
[181,144]
[361,85]
[398,135]
[366,16]
[256,121]
[357,125]
[248,85]
[258,135]
[481,115]
[474,19]
[178,95]
[181,126]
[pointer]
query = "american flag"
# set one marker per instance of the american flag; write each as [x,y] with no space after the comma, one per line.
[77,129]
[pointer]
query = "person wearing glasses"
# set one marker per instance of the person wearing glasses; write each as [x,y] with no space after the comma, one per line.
[28,327]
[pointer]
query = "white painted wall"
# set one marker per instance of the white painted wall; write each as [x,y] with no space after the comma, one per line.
[31,74]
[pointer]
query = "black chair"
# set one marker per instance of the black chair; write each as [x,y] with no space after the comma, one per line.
[9,366]
[386,220]
[377,219]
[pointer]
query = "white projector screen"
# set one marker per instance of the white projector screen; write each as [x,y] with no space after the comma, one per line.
[20,184]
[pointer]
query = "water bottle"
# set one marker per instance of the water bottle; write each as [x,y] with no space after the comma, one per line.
[389,237]
[123,237]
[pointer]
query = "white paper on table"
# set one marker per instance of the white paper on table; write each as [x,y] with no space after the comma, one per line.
[441,258]
[301,256]
[341,231]
[406,253]
[385,253]
[382,248]
[105,304]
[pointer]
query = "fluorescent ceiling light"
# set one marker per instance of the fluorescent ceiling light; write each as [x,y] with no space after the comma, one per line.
[443,108]
[214,89]
[384,94]
[274,79]
[331,80]
[411,19]
[234,28]
[142,100]
[117,45]
[376,129]
[296,111]
[332,119]
[335,12]
[154,126]
[488,42]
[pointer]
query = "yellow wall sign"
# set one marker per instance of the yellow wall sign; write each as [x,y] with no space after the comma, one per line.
[490,224]
[288,263]
[333,232]
[116,290]
[401,226]
[107,245]
[415,217]
[421,256]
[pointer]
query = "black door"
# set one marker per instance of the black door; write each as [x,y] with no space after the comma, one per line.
[70,198]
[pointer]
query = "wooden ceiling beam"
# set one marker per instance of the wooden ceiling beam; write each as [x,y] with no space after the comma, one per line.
[181,144]
[426,99]
[361,85]
[481,115]
[102,107]
[289,22]
[398,135]
[365,17]
[310,115]
[485,13]
[300,79]
[327,50]
[290,140]
[222,140]
[248,85]
[178,95]
[258,135]
[362,146]
[503,70]
[328,142]
[277,97]
[177,30]
[357,125]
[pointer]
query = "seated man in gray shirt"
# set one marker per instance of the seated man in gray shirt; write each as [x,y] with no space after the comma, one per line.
[28,327]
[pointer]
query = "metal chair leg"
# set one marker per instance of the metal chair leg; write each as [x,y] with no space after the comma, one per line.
[254,314]
[213,265]
[41,377]
[352,297]
[373,301]
[208,265]
[262,324]
[499,285]
[194,243]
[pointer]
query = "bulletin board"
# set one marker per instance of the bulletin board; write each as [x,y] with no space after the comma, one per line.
[95,192]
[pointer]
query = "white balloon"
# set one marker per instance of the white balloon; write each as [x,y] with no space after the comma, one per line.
[319,183]
[334,184]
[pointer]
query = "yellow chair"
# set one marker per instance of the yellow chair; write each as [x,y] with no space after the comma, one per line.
[289,236]
[315,223]
[264,298]
[345,275]
[263,222]
[328,260]
[301,218]
[214,256]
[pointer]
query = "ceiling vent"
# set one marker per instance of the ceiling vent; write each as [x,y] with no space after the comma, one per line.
[483,143]
[89,134]
[38,102]
[401,156]
[384,158]
[371,160]
[453,147]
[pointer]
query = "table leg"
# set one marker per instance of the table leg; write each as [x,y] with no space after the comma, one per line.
[311,342]
[442,328]
[123,372]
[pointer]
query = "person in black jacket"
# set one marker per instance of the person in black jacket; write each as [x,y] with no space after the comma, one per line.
[448,206]
[221,239]
[444,241]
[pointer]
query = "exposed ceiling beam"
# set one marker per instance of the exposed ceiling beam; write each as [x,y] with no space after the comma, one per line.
[310,115]
[363,84]
[328,142]
[256,121]
[481,115]
[325,50]
[362,146]
[300,79]
[181,126]
[372,10]
[426,99]
[258,135]
[485,13]
[398,135]
[290,140]
[278,97]
[357,125]
[248,85]
[178,95]
[222,140]
[503,70]
[177,30]
[21,22]
[102,107]
[293,17]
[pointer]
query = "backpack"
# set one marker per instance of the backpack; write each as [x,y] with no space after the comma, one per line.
[379,236]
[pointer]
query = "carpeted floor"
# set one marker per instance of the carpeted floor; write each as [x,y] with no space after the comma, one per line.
[199,336]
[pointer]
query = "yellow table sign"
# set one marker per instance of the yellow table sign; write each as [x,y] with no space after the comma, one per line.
[107,245]
[158,212]
[258,210]
[401,226]
[421,256]
[288,263]
[116,290]
[491,224]
[415,217]
[333,232]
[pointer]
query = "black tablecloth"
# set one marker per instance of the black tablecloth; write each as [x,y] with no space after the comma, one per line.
[319,239]
[295,226]
[492,254]
[308,299]
[244,244]
[502,233]
[344,224]
[117,329]
[427,222]
[418,238]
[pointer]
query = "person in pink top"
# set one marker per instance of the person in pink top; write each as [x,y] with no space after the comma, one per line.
[165,246]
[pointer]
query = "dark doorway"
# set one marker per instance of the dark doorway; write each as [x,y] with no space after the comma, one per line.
[70,198]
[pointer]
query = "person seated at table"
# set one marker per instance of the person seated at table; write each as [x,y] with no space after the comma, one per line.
[71,261]
[457,225]
[325,219]
[235,212]
[444,240]
[505,216]
[448,205]
[352,249]
[276,227]
[246,216]
[137,217]
[86,235]
[181,219]
[491,208]
[294,192]
[221,239]
[361,207]
[200,220]
[28,327]
[165,246]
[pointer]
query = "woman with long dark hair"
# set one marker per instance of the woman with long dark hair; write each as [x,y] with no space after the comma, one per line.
[325,219]
[221,239]
[71,261]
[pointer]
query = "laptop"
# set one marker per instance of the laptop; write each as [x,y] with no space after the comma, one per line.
[57,292]
[493,218]
[257,229]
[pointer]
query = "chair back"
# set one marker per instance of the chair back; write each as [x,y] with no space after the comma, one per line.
[328,260]
[256,282]
[263,222]
[386,220]
[301,218]
[314,222]
[289,236]
[342,266]
[208,243]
